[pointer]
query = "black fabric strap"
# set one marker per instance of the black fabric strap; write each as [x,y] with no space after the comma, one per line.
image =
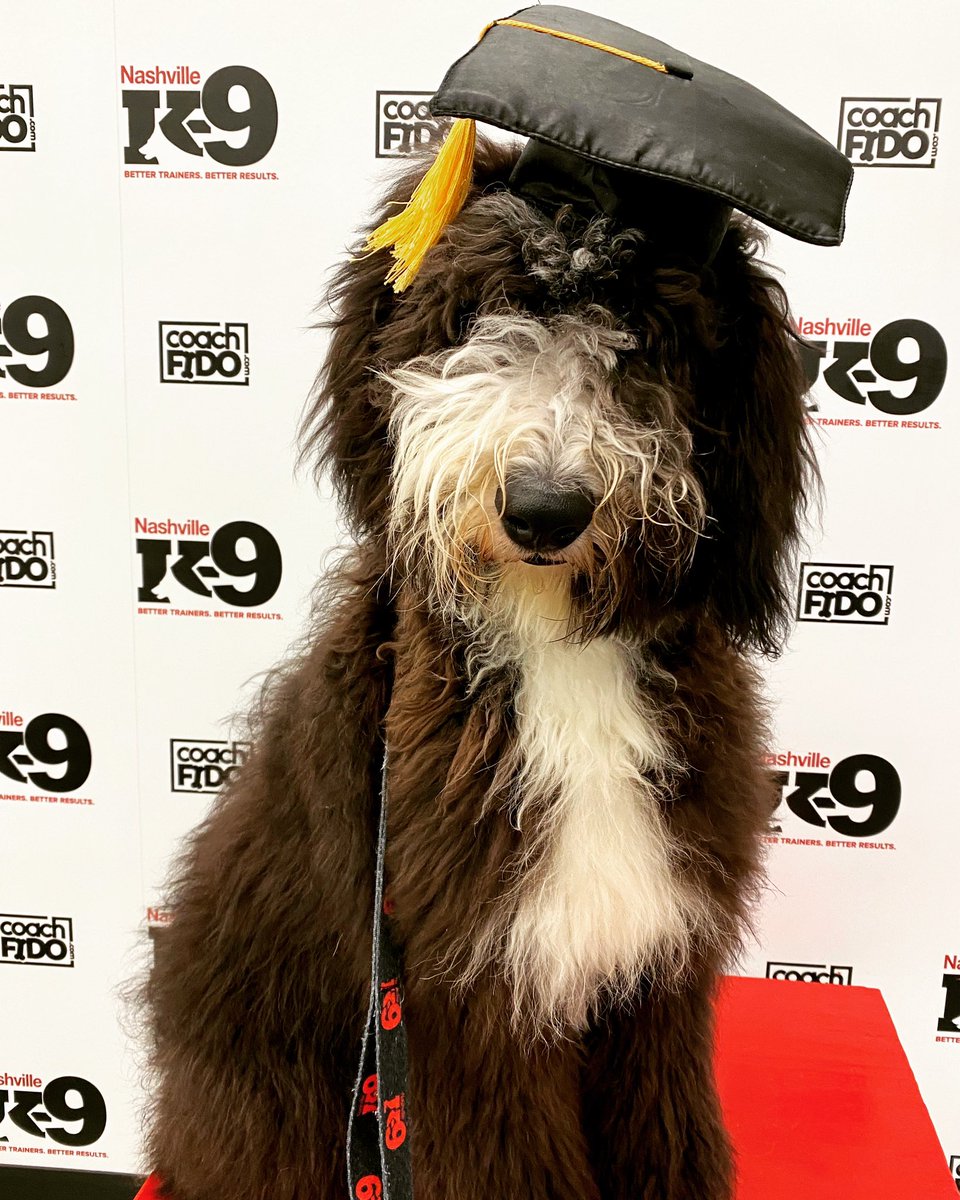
[378,1134]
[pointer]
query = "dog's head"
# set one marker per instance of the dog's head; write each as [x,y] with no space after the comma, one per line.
[557,407]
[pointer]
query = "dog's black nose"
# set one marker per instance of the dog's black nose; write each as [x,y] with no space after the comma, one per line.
[540,515]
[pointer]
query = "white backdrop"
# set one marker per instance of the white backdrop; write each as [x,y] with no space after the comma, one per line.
[123,452]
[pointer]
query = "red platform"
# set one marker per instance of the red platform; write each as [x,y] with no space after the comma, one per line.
[150,1190]
[818,1096]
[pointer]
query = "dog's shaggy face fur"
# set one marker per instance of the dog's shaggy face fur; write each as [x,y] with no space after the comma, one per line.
[570,349]
[530,397]
[576,797]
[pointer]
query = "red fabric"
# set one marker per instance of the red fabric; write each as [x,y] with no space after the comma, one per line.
[818,1096]
[151,1190]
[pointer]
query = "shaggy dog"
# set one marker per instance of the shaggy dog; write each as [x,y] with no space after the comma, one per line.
[572,462]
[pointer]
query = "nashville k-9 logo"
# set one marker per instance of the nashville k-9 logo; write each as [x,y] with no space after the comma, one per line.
[51,751]
[898,370]
[857,797]
[229,117]
[207,565]
[949,1020]
[36,342]
[67,1111]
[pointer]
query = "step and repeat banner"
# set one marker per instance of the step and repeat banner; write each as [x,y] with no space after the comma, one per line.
[178,183]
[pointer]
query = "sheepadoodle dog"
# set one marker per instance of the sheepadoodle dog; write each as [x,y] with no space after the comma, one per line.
[572,461]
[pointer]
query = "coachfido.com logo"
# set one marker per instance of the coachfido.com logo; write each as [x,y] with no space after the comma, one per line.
[810,973]
[203,767]
[26,559]
[405,123]
[36,941]
[18,129]
[845,593]
[204,352]
[889,131]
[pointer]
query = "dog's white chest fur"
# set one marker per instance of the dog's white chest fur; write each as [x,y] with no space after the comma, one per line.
[603,902]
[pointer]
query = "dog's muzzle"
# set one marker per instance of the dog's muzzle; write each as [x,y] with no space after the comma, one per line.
[542,516]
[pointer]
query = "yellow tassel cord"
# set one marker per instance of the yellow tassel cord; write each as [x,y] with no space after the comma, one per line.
[441,193]
[582,41]
[438,198]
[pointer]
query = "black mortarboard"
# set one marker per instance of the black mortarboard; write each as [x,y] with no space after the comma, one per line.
[622,124]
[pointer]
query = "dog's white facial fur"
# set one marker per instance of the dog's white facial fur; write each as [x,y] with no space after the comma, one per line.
[523,396]
[598,900]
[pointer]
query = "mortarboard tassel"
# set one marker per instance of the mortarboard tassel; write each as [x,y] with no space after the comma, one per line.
[438,198]
[441,193]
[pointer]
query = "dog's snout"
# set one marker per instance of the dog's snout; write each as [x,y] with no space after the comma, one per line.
[540,515]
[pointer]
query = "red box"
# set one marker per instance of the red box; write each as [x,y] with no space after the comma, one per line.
[819,1097]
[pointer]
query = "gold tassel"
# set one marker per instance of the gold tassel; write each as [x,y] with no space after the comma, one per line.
[438,198]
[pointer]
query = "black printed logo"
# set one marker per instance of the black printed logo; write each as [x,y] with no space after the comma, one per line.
[26,559]
[955,1169]
[17,127]
[36,342]
[949,1022]
[845,593]
[810,972]
[49,740]
[51,1111]
[239,550]
[901,353]
[204,352]
[858,798]
[889,131]
[404,123]
[204,767]
[235,101]
[36,941]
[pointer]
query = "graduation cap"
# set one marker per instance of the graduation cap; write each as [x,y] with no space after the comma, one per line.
[623,125]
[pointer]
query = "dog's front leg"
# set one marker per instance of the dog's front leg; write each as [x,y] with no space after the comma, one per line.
[496,1115]
[650,1106]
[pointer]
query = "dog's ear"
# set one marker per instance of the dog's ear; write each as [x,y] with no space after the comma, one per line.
[344,430]
[753,452]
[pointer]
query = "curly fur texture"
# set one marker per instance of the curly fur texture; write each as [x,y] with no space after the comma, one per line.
[576,791]
[464,418]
